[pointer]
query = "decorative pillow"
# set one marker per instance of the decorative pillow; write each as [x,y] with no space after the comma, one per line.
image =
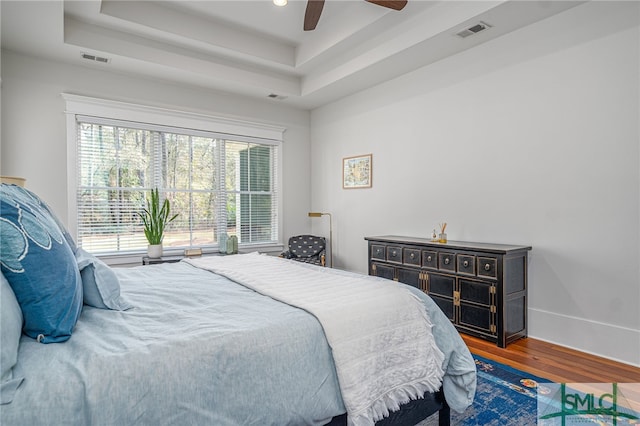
[100,285]
[11,322]
[63,229]
[39,265]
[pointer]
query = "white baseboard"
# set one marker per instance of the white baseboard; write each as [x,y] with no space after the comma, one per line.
[610,341]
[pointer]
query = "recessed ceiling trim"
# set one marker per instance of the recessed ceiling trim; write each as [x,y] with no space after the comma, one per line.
[199,68]
[385,49]
[421,29]
[216,34]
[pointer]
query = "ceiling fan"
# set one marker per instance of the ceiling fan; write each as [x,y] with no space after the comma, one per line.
[314,9]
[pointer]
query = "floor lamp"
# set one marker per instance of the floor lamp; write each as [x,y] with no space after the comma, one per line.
[318,214]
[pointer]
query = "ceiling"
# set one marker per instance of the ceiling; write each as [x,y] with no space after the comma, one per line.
[254,48]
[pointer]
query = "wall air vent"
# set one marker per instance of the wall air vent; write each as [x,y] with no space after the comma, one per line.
[474,29]
[94,58]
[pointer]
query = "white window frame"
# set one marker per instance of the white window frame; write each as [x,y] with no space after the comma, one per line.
[234,128]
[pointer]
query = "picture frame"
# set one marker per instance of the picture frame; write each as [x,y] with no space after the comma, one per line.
[357,171]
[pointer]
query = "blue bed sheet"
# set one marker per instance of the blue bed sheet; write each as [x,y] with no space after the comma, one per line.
[196,349]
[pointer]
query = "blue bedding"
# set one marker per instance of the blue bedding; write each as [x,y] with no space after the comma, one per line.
[197,349]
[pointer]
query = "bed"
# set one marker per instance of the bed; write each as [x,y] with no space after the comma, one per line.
[180,344]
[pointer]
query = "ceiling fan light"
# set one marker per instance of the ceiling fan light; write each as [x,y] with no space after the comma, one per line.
[280,2]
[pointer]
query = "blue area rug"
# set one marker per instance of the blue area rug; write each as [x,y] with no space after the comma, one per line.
[505,396]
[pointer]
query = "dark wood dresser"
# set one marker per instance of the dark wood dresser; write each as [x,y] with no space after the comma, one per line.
[481,287]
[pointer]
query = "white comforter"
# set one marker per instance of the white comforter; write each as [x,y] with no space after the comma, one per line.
[382,345]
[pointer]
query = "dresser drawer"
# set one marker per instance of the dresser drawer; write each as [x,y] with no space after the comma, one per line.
[487,267]
[411,256]
[447,261]
[378,251]
[466,264]
[430,259]
[394,254]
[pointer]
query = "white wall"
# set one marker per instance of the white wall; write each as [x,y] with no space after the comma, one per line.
[34,132]
[532,138]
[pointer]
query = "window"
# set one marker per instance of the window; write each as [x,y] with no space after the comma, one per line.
[218,183]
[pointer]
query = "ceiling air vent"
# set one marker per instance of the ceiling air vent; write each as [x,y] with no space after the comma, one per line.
[95,58]
[475,29]
[276,96]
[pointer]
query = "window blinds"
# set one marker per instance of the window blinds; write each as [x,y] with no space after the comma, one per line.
[217,184]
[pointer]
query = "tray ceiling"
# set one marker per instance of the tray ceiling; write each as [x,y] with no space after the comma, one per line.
[257,49]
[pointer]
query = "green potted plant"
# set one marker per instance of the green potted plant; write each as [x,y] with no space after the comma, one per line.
[155,218]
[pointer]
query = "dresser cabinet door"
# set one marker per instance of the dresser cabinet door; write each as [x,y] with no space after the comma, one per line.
[474,291]
[476,317]
[477,307]
[441,289]
[445,305]
[383,271]
[409,276]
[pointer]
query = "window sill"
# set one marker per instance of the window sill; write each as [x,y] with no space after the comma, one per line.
[135,258]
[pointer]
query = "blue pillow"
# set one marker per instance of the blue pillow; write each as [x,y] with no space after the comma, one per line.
[40,266]
[63,229]
[100,285]
[11,322]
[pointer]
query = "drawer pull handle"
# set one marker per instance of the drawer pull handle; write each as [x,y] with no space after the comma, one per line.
[428,258]
[447,260]
[465,263]
[393,253]
[413,255]
[487,267]
[378,251]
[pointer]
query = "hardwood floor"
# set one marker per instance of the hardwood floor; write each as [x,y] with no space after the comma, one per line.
[555,362]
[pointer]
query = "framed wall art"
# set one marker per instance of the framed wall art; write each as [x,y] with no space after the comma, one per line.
[356,172]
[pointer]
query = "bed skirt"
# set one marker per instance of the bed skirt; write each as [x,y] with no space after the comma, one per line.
[412,412]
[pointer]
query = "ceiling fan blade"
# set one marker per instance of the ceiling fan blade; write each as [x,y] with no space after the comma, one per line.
[391,4]
[312,14]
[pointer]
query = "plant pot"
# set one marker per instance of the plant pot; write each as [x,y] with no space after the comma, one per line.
[154,250]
